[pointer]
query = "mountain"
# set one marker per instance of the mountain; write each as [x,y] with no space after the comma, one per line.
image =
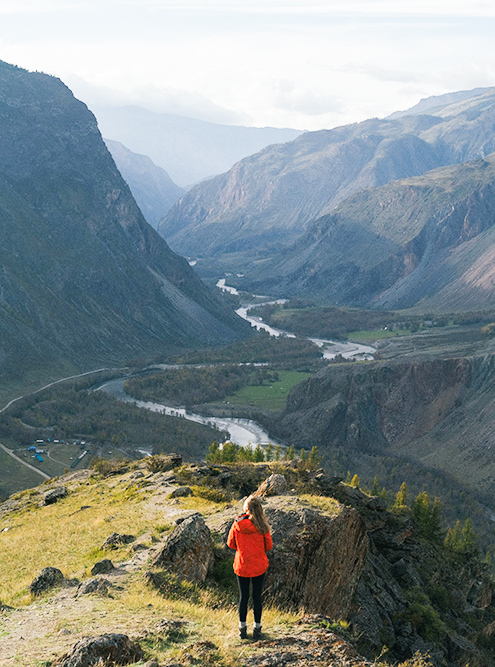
[84,279]
[426,241]
[266,201]
[151,186]
[188,149]
[436,103]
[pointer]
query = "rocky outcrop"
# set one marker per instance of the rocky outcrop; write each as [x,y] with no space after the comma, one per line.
[95,585]
[275,485]
[105,649]
[116,540]
[54,495]
[102,567]
[318,560]
[188,550]
[48,578]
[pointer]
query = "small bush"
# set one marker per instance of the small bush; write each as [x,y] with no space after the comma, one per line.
[209,493]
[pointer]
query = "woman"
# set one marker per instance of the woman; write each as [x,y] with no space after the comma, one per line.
[250,537]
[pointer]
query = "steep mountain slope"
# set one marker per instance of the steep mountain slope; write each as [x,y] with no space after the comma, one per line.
[267,200]
[188,149]
[152,188]
[84,278]
[425,241]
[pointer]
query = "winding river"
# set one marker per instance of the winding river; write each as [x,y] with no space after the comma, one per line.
[243,432]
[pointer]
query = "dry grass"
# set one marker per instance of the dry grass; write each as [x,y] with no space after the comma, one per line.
[67,537]
[329,505]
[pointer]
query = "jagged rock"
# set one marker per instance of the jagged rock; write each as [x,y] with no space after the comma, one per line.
[275,485]
[163,463]
[48,578]
[181,492]
[181,519]
[137,475]
[99,586]
[54,495]
[317,560]
[102,567]
[115,540]
[167,626]
[109,648]
[188,550]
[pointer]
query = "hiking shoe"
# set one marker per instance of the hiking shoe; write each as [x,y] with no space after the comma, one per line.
[243,633]
[256,633]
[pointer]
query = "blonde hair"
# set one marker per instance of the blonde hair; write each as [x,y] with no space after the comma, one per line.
[254,508]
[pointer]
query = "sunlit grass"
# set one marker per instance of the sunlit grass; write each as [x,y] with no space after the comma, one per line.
[65,536]
[271,396]
[329,505]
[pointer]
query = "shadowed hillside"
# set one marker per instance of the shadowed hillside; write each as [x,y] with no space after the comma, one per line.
[425,241]
[85,280]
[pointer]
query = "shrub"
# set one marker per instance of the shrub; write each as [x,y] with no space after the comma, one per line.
[209,493]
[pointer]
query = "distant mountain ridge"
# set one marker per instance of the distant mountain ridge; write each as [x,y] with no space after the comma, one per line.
[427,241]
[265,202]
[151,186]
[189,149]
[84,279]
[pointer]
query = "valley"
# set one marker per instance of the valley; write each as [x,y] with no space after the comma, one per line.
[200,301]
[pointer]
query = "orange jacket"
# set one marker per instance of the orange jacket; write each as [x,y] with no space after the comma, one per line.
[251,547]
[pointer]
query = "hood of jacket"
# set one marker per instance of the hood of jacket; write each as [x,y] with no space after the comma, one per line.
[245,524]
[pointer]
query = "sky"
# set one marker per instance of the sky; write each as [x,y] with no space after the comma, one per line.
[307,65]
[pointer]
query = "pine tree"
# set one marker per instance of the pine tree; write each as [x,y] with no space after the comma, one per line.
[278,453]
[314,457]
[374,489]
[469,538]
[269,452]
[259,454]
[290,453]
[428,516]
[401,497]
[302,455]
[453,538]
[355,481]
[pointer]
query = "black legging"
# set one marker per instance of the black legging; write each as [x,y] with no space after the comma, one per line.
[243,583]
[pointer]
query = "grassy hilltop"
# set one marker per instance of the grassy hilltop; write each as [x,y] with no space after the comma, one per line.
[181,622]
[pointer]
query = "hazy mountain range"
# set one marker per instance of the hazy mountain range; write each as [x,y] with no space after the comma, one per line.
[188,149]
[245,220]
[152,188]
[84,278]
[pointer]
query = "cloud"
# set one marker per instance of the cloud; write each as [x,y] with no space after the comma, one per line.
[154,98]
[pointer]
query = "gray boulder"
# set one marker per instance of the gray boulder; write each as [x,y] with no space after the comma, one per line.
[105,649]
[54,495]
[48,578]
[102,567]
[115,540]
[98,586]
[275,485]
[188,550]
[181,492]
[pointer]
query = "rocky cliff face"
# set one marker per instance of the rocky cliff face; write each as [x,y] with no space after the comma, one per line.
[429,418]
[84,278]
